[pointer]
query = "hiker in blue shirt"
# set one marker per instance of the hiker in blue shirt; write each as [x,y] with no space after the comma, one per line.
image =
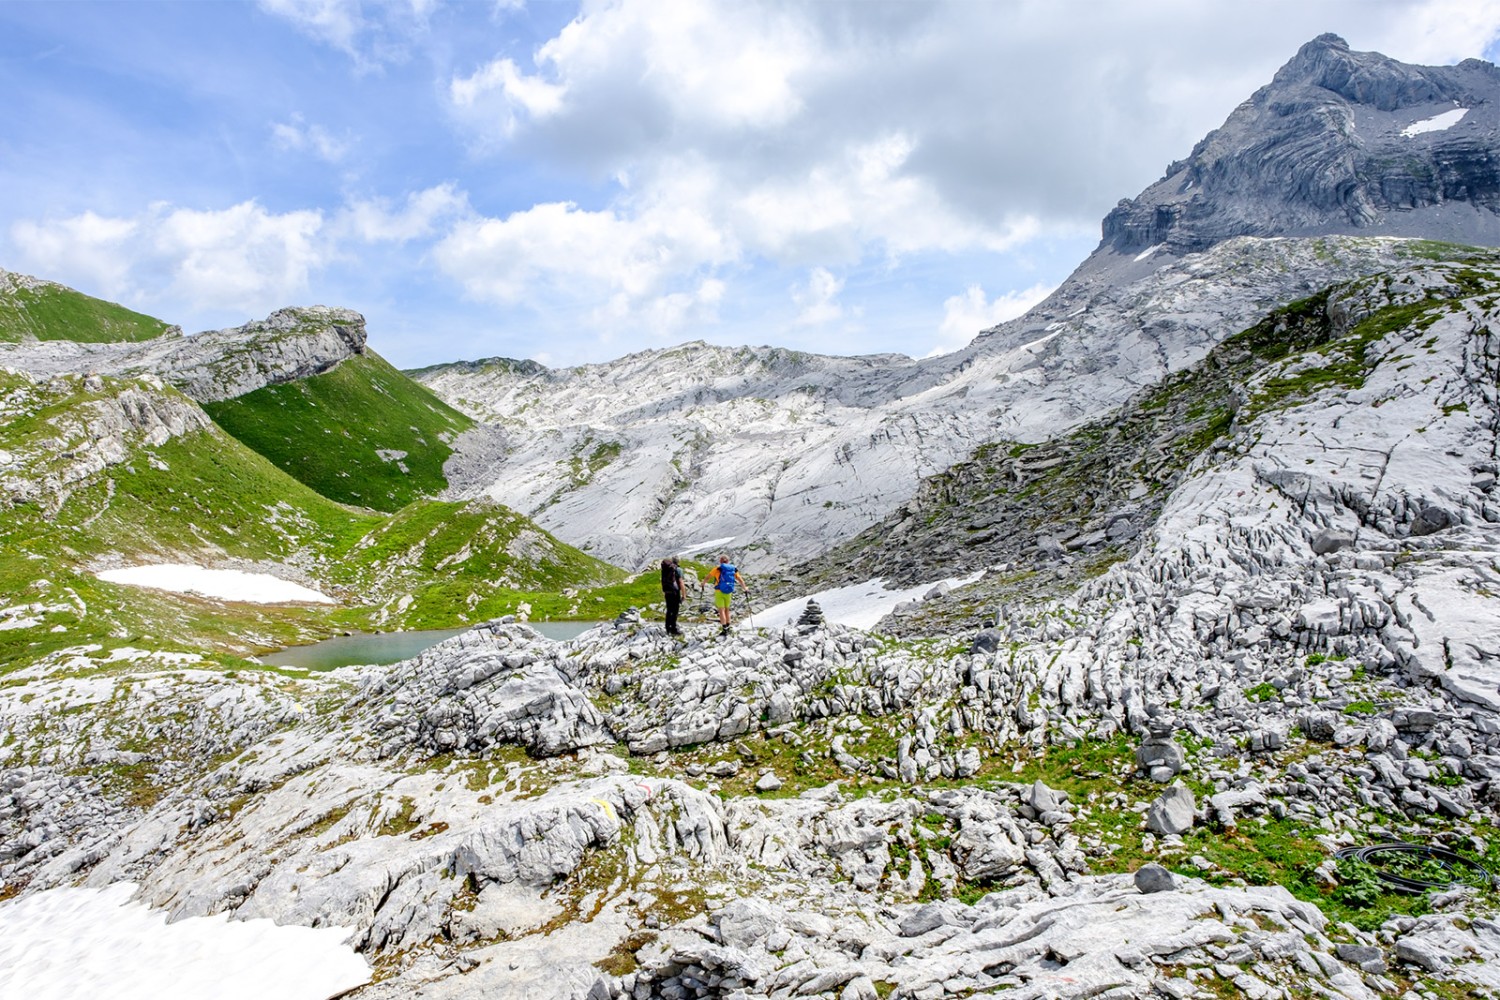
[725,578]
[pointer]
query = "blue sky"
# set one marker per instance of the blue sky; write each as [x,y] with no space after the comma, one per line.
[575,182]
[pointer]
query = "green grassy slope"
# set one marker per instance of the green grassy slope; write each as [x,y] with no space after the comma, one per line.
[473,561]
[205,498]
[329,431]
[198,498]
[52,312]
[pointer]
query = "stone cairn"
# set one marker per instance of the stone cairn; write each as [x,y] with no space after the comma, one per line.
[812,616]
[1158,756]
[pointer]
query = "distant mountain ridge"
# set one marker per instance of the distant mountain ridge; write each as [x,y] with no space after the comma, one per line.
[290,344]
[300,387]
[789,453]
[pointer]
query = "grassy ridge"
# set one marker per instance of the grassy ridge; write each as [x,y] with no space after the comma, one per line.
[329,431]
[205,498]
[434,562]
[52,312]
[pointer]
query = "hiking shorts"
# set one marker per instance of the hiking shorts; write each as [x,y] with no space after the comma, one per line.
[721,599]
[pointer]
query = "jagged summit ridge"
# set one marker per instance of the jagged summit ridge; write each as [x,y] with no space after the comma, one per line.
[1338,142]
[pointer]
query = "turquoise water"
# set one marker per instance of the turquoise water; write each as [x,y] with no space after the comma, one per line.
[390,647]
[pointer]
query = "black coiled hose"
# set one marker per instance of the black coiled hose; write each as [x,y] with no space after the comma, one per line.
[1462,870]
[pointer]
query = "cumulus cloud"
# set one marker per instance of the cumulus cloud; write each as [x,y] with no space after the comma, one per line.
[1439,32]
[662,316]
[88,246]
[968,313]
[500,97]
[242,257]
[558,250]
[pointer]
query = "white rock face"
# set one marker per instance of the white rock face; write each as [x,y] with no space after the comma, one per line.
[789,452]
[290,344]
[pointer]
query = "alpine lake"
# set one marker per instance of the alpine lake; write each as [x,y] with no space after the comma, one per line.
[392,647]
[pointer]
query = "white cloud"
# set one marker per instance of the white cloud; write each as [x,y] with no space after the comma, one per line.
[1438,32]
[242,257]
[970,312]
[88,249]
[375,221]
[298,136]
[337,23]
[372,35]
[722,65]
[816,301]
[502,97]
[559,250]
[663,315]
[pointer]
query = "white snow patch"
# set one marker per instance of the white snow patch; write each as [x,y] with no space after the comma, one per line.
[858,605]
[1437,123]
[67,943]
[225,584]
[716,543]
[1148,251]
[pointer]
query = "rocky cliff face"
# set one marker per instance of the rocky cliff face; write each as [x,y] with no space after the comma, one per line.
[288,345]
[793,452]
[1338,142]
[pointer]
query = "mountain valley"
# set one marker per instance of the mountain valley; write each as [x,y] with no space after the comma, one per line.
[1228,506]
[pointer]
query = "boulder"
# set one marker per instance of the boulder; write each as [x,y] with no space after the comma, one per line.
[1173,812]
[1432,519]
[1152,877]
[1326,542]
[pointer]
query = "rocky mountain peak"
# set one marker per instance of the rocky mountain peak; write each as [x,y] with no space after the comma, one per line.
[1339,142]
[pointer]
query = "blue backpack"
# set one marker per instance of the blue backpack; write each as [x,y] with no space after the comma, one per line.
[726,578]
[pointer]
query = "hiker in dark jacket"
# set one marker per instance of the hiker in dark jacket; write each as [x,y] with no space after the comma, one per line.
[725,578]
[671,589]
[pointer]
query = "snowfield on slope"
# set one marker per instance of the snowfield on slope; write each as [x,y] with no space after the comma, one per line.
[224,584]
[858,605]
[70,942]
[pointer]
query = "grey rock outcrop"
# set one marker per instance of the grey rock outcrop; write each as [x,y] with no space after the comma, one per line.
[290,344]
